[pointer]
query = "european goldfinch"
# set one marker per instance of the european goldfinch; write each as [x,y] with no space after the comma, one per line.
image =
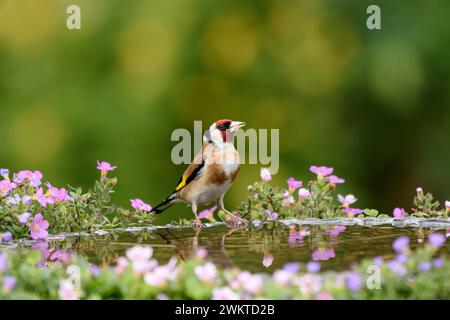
[211,173]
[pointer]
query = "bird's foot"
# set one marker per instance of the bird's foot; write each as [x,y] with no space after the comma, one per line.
[233,221]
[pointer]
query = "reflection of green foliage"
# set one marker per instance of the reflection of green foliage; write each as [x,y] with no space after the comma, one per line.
[373,103]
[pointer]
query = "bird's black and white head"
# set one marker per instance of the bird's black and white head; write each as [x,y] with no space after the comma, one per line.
[222,131]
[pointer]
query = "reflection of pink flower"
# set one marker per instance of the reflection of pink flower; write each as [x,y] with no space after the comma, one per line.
[38,227]
[42,247]
[138,204]
[297,236]
[335,231]
[323,254]
[61,256]
[401,244]
[267,259]
[293,184]
[399,213]
[436,240]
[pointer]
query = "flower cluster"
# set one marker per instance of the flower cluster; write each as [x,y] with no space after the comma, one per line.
[31,208]
[317,199]
[411,274]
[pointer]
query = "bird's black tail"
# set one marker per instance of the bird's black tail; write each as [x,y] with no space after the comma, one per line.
[165,204]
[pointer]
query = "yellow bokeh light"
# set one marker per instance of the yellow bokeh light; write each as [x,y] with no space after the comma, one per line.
[230,43]
[27,25]
[314,48]
[36,135]
[147,54]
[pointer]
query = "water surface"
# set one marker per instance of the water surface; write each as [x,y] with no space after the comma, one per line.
[336,248]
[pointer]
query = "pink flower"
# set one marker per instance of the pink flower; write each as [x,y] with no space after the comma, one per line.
[67,290]
[294,184]
[289,201]
[335,180]
[42,198]
[122,264]
[321,171]
[139,253]
[159,276]
[352,211]
[57,195]
[399,213]
[61,256]
[419,190]
[447,205]
[224,293]
[6,186]
[34,177]
[265,175]
[206,273]
[38,227]
[138,204]
[271,216]
[303,193]
[267,259]
[24,217]
[253,284]
[347,200]
[324,296]
[104,167]
[207,213]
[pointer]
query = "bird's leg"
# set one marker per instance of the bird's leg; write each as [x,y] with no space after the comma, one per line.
[197,222]
[231,216]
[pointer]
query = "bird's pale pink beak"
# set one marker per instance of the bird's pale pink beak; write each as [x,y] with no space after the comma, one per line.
[235,125]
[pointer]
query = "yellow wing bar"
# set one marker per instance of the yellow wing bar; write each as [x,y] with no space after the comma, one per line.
[181,184]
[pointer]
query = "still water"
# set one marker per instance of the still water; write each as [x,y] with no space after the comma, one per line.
[335,247]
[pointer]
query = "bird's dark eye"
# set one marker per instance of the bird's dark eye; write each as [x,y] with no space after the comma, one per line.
[224,126]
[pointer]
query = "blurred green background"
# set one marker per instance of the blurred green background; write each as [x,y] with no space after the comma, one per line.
[373,104]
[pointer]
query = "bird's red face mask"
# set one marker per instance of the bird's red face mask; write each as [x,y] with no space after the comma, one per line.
[228,128]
